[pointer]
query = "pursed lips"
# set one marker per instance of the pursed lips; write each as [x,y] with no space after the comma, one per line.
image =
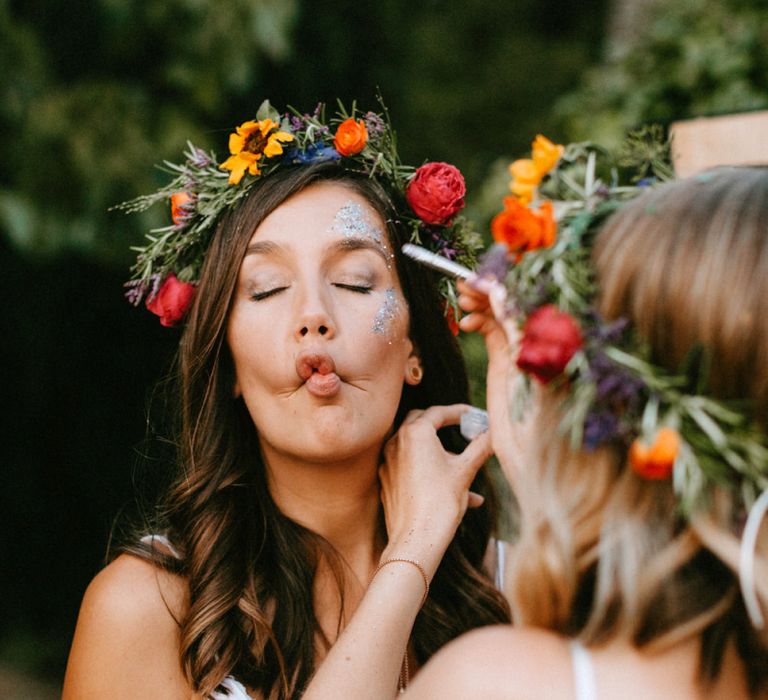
[317,371]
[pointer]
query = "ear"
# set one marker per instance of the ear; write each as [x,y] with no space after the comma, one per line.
[236,390]
[413,370]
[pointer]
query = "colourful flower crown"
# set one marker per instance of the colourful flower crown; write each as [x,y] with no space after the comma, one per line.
[428,198]
[614,394]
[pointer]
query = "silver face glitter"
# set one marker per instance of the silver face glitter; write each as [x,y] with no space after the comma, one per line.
[387,313]
[351,221]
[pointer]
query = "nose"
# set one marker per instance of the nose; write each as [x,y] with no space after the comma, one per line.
[314,318]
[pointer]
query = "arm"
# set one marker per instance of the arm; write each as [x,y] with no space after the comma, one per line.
[425,494]
[510,438]
[126,642]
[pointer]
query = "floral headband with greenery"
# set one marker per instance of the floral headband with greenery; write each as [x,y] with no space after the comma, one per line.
[613,393]
[428,198]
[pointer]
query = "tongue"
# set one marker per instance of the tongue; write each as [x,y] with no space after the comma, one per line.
[323,385]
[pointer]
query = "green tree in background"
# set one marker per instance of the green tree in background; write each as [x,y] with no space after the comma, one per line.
[680,59]
[97,91]
[94,91]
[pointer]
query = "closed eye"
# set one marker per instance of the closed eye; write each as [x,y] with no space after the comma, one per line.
[359,288]
[259,296]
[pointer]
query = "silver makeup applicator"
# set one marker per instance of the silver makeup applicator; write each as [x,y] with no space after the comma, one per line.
[449,268]
[438,262]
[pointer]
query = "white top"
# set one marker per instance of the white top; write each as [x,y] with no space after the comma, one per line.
[583,672]
[235,691]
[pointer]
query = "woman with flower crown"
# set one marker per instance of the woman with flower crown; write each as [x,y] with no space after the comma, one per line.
[628,402]
[309,341]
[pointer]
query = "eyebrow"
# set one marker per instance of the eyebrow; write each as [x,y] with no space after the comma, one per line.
[345,244]
[262,248]
[355,243]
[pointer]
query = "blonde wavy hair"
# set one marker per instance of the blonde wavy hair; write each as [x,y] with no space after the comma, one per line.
[603,554]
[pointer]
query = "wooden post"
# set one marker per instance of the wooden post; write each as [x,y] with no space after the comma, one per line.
[732,139]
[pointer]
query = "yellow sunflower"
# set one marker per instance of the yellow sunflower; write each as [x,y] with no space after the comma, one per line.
[249,143]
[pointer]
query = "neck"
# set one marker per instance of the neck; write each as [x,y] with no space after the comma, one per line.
[337,500]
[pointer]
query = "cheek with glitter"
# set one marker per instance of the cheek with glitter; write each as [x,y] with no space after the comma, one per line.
[351,222]
[387,313]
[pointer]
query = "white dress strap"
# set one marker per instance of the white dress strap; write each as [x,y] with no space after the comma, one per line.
[501,561]
[233,690]
[163,540]
[583,672]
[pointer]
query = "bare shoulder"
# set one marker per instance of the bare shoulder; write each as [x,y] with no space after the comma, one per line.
[126,641]
[131,588]
[500,662]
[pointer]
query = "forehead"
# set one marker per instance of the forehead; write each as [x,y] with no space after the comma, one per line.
[321,214]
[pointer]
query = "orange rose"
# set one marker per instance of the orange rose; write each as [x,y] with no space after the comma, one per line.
[525,179]
[351,137]
[179,209]
[545,154]
[655,461]
[521,228]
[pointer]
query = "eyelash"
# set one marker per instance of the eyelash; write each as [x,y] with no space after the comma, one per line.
[259,296]
[360,289]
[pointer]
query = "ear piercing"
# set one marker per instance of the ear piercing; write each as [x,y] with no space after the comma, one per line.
[416,373]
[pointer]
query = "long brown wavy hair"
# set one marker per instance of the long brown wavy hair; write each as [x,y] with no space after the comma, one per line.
[604,554]
[249,568]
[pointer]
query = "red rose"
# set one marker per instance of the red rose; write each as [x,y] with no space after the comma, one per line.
[550,339]
[452,317]
[172,300]
[436,192]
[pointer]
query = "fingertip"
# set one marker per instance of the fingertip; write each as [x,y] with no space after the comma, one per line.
[475,500]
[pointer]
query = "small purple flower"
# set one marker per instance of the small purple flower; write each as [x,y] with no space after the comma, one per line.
[599,428]
[441,246]
[647,181]
[603,191]
[155,281]
[199,158]
[494,263]
[373,123]
[135,293]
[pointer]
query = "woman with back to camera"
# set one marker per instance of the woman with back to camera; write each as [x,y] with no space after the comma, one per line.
[641,464]
[308,341]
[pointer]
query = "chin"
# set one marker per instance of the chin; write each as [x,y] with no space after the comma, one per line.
[329,441]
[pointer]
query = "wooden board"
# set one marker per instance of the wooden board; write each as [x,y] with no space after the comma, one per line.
[733,139]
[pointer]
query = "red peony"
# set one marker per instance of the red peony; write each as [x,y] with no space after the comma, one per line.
[550,339]
[172,300]
[436,192]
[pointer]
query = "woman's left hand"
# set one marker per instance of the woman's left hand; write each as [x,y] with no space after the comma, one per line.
[424,488]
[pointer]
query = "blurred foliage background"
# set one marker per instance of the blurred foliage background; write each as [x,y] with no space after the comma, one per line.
[94,93]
